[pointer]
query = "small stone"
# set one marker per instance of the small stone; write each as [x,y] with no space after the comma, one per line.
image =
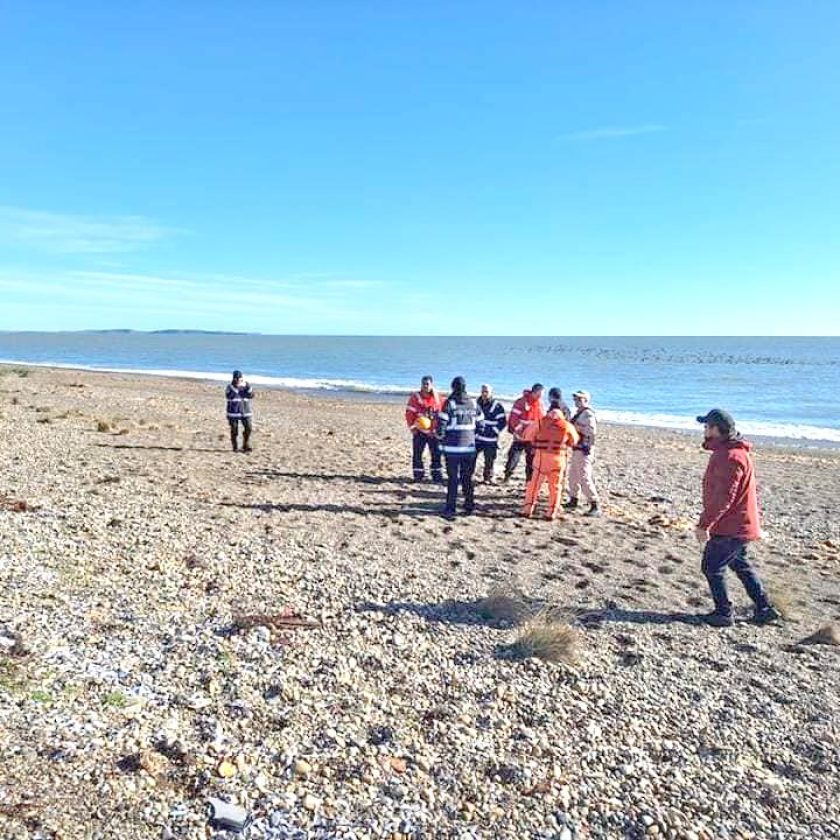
[302,768]
[226,769]
[311,802]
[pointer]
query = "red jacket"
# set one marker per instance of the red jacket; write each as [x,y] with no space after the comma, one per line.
[525,410]
[423,405]
[730,501]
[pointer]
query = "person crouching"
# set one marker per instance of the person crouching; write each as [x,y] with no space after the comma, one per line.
[457,422]
[551,438]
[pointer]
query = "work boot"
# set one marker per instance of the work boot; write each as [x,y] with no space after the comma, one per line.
[767,615]
[716,619]
[233,441]
[594,511]
[571,504]
[246,447]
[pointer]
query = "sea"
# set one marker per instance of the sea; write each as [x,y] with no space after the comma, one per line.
[785,389]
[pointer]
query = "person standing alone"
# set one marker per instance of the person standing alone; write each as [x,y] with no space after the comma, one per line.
[457,422]
[239,395]
[487,437]
[583,455]
[420,415]
[730,519]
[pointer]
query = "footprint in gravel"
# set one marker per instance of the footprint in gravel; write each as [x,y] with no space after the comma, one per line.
[666,570]
[567,540]
[582,584]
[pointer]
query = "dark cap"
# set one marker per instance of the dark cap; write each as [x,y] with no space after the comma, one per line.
[555,395]
[459,385]
[720,418]
[237,374]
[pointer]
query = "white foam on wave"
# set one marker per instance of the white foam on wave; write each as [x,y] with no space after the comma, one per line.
[761,428]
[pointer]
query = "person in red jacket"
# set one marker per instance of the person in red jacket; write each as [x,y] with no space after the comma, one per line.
[552,438]
[730,519]
[421,413]
[526,410]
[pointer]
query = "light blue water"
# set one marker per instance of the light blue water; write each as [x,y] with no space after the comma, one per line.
[780,387]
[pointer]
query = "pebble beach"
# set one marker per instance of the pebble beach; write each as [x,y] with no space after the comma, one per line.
[294,636]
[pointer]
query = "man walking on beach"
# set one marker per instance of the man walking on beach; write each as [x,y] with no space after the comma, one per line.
[239,395]
[421,414]
[583,455]
[458,419]
[487,437]
[551,439]
[730,519]
[526,410]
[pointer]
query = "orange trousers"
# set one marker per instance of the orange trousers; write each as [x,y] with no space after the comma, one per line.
[555,478]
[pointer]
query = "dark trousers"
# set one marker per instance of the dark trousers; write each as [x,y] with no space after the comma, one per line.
[418,445]
[721,553]
[234,432]
[490,451]
[459,470]
[515,453]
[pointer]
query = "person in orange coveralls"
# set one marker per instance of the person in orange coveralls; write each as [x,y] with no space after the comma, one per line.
[426,402]
[551,439]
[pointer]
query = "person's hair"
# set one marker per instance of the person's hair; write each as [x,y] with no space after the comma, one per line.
[459,386]
[537,386]
[555,395]
[426,378]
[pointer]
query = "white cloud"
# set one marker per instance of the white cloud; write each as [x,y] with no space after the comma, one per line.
[611,132]
[67,234]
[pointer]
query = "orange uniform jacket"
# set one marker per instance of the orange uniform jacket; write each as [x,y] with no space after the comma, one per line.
[525,410]
[423,405]
[551,437]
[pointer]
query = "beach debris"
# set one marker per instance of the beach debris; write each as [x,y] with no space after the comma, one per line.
[828,634]
[276,623]
[153,762]
[226,815]
[14,505]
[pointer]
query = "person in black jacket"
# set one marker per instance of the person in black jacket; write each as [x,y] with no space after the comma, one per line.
[457,422]
[239,395]
[487,436]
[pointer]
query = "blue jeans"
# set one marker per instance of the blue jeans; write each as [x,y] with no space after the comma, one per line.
[723,552]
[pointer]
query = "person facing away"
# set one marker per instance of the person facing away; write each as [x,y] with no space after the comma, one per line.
[457,423]
[583,455]
[551,438]
[730,519]
[239,395]
[526,410]
[487,437]
[421,413]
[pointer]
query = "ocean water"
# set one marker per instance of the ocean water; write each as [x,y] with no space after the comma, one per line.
[784,388]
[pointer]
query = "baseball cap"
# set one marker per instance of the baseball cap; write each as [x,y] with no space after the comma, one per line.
[237,374]
[720,418]
[584,395]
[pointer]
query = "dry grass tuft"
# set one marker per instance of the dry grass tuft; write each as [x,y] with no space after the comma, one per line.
[103,426]
[783,602]
[548,639]
[504,603]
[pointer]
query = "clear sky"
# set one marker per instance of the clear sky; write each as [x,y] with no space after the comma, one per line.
[340,166]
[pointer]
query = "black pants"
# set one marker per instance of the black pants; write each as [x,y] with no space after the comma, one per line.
[515,453]
[459,470]
[490,451]
[246,432]
[418,446]
[723,552]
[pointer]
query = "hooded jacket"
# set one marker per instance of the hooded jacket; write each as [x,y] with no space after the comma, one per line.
[239,401]
[551,438]
[457,421]
[730,500]
[527,409]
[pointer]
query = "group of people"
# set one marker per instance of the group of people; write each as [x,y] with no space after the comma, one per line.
[557,444]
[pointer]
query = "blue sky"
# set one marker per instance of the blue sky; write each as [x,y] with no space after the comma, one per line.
[440,167]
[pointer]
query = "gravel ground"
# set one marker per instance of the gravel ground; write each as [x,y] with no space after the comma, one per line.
[297,632]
